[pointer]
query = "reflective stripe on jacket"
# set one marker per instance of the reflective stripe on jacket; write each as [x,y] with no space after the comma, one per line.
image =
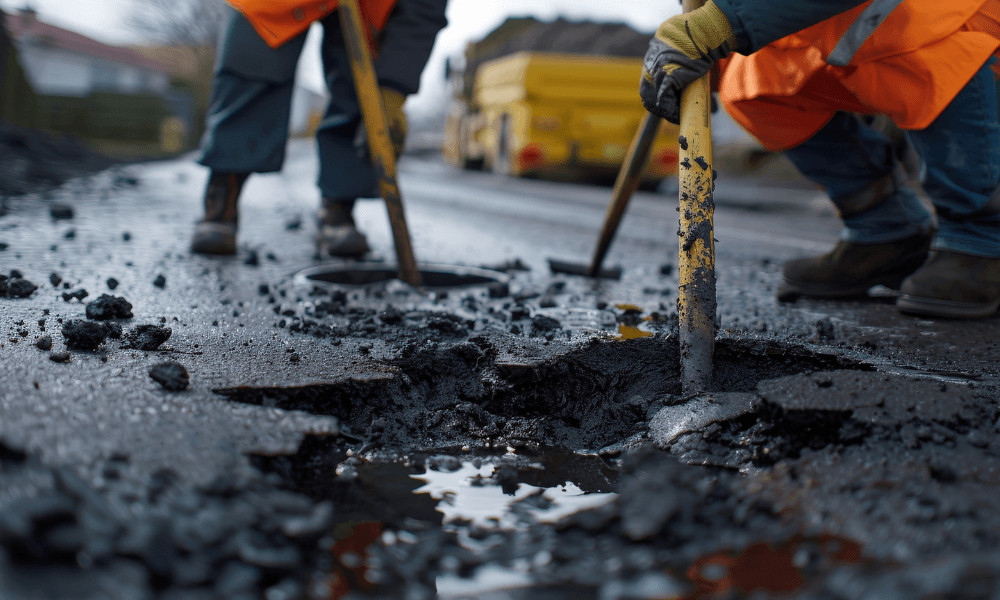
[910,69]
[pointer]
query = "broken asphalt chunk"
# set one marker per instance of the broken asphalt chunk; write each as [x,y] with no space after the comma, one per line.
[172,376]
[78,294]
[699,412]
[61,211]
[88,335]
[109,307]
[147,337]
[542,324]
[20,288]
[59,357]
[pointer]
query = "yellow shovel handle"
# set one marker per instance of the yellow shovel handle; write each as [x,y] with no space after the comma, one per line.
[379,143]
[696,301]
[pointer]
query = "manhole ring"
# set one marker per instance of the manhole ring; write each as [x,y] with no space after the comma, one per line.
[434,276]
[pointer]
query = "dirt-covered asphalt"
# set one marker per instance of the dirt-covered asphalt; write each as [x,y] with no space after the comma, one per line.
[179,426]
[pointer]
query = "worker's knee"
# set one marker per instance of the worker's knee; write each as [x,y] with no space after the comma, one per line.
[243,53]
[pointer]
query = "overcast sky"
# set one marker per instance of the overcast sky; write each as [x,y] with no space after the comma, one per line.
[468,20]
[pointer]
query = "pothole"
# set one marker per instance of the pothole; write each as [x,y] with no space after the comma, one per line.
[434,276]
[486,393]
[498,462]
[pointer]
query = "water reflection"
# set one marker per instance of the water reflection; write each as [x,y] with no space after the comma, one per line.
[775,568]
[472,495]
[460,494]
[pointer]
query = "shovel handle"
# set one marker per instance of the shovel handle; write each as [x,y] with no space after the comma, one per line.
[696,300]
[379,145]
[626,184]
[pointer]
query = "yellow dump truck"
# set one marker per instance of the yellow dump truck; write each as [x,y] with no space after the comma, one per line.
[553,115]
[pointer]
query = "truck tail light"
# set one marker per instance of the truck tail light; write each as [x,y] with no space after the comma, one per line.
[530,156]
[666,157]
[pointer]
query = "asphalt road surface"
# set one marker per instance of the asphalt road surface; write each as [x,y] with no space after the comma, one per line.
[851,449]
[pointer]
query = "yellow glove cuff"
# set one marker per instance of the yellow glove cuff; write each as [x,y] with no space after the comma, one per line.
[698,32]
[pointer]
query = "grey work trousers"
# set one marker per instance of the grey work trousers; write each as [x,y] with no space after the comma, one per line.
[250,107]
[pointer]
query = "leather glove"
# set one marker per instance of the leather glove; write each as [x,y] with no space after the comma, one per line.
[684,48]
[395,118]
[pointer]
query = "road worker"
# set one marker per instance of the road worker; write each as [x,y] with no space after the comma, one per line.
[251,98]
[796,75]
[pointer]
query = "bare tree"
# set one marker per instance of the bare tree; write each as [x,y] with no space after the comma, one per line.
[192,26]
[18,103]
[193,23]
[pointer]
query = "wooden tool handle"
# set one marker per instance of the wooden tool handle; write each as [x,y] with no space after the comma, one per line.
[379,144]
[696,299]
[629,177]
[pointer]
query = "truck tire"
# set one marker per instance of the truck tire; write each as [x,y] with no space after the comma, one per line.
[650,185]
[468,163]
[472,164]
[502,164]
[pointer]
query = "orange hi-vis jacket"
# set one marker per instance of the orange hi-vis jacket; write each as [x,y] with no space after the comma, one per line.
[910,69]
[278,21]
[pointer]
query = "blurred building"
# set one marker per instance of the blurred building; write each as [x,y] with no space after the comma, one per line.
[98,91]
[60,62]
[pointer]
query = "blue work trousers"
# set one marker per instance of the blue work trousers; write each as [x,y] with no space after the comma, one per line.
[961,151]
[251,103]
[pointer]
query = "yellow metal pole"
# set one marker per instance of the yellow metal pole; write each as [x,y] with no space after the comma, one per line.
[696,302]
[379,144]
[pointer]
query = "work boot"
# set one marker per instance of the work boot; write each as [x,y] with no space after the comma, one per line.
[851,269]
[953,284]
[216,232]
[337,234]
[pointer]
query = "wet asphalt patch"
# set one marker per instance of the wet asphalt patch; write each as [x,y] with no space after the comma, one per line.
[836,478]
[509,388]
[805,406]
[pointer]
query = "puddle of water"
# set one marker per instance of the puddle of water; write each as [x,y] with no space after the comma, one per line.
[509,492]
[627,332]
[629,307]
[771,568]
[470,495]
[487,579]
[350,552]
[956,377]
[581,319]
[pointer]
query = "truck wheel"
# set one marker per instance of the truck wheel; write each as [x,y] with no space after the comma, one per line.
[650,185]
[502,164]
[464,144]
[472,164]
